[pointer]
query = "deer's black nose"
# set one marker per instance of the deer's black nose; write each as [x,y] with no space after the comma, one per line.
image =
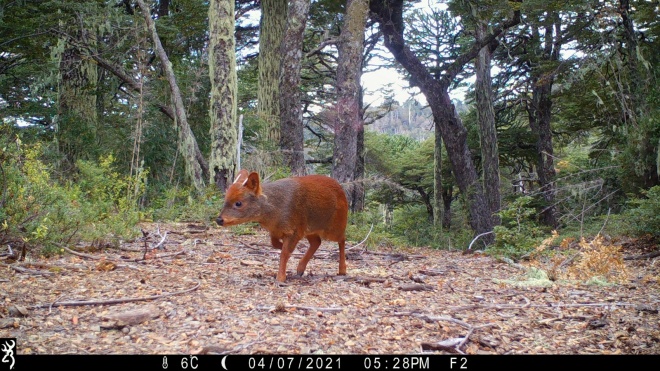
[219,221]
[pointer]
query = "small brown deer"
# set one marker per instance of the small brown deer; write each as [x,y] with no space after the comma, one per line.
[312,206]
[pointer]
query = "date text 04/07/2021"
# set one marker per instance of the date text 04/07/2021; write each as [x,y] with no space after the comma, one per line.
[337,362]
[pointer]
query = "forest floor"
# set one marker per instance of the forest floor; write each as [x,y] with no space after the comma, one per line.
[213,292]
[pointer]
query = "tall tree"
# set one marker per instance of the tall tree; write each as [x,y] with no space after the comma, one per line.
[196,166]
[271,30]
[349,122]
[435,41]
[291,114]
[638,81]
[224,87]
[642,143]
[486,116]
[547,39]
[389,15]
[437,179]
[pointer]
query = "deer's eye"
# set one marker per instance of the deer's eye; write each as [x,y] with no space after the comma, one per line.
[238,204]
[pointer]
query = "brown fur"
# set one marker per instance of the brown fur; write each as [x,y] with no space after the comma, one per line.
[312,206]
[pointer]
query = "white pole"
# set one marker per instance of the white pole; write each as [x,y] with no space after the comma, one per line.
[240,142]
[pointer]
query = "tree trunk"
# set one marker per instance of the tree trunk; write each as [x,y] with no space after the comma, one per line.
[437,179]
[291,138]
[540,115]
[163,8]
[222,71]
[271,29]
[426,199]
[195,164]
[357,199]
[487,131]
[349,122]
[447,198]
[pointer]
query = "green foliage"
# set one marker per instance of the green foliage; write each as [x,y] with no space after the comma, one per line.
[37,211]
[519,233]
[644,214]
[406,163]
[370,222]
[184,204]
[606,135]
[639,158]
[409,226]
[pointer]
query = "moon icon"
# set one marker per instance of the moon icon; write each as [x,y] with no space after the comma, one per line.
[223,362]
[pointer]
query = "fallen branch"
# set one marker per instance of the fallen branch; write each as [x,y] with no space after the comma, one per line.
[476,238]
[300,307]
[396,255]
[121,260]
[455,343]
[416,287]
[368,280]
[54,268]
[529,305]
[82,255]
[26,270]
[358,245]
[155,257]
[513,264]
[432,272]
[644,256]
[261,251]
[112,301]
[470,332]
[432,319]
[161,242]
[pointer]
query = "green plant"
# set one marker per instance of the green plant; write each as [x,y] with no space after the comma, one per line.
[519,234]
[360,225]
[645,212]
[39,212]
[184,203]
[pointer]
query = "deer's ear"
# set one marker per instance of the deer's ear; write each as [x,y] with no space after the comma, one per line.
[253,184]
[241,177]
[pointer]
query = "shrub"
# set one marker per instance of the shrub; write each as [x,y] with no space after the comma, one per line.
[519,234]
[185,204]
[645,212]
[39,212]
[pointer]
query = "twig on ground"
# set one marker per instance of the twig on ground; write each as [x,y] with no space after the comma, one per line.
[82,255]
[470,332]
[476,238]
[154,257]
[26,270]
[162,240]
[365,239]
[301,307]
[644,256]
[431,319]
[113,301]
[529,305]
[513,264]
[120,260]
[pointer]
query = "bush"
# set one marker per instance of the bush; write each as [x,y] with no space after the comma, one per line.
[410,226]
[185,204]
[519,234]
[645,212]
[38,212]
[359,225]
